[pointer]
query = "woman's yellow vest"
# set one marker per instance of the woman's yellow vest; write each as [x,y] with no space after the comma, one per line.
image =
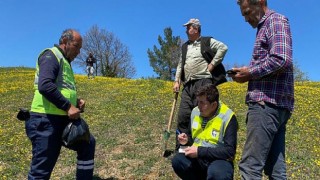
[212,135]
[65,83]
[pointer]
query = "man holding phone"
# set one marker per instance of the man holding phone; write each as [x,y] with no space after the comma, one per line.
[270,94]
[231,72]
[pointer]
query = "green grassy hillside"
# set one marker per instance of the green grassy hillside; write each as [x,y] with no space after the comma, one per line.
[128,117]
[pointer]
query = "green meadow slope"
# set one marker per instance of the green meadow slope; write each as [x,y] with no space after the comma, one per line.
[128,118]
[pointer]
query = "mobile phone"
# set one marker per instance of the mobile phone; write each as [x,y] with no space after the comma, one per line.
[231,72]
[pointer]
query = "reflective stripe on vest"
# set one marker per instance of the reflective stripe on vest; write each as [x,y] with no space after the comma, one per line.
[59,81]
[212,135]
[65,83]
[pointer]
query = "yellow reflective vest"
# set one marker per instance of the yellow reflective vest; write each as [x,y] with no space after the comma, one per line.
[65,83]
[212,135]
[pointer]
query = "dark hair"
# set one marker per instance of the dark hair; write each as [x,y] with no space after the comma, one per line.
[68,33]
[252,2]
[210,91]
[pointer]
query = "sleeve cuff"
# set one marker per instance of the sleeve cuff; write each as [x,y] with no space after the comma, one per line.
[66,107]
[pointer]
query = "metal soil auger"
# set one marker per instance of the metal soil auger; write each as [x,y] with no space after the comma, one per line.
[166,134]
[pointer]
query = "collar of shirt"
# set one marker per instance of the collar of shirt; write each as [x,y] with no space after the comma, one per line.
[198,40]
[57,46]
[206,120]
[265,16]
[215,113]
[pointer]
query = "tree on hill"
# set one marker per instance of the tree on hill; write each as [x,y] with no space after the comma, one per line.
[113,57]
[164,61]
[299,75]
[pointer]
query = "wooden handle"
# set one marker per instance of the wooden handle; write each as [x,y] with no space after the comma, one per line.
[172,110]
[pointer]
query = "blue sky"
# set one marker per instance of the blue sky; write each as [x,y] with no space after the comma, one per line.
[27,27]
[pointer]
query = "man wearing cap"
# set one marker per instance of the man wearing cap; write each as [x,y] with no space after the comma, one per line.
[196,69]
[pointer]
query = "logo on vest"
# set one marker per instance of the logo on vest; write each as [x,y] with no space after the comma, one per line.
[214,133]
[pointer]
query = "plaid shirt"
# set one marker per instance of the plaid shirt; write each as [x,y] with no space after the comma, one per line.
[271,65]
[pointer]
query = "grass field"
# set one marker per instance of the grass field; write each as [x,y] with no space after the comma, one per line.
[128,118]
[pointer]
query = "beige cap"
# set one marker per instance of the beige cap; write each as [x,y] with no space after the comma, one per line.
[193,21]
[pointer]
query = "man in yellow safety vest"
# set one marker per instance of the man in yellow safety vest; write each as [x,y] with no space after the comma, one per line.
[210,150]
[55,104]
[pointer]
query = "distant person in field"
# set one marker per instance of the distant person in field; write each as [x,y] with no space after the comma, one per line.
[90,69]
[55,104]
[196,68]
[211,148]
[270,94]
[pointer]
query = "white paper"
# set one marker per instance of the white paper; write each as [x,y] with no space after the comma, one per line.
[182,149]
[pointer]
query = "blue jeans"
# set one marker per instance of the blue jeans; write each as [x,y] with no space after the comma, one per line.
[193,169]
[45,134]
[265,145]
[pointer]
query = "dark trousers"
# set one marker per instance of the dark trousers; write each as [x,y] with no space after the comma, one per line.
[45,135]
[265,145]
[188,102]
[192,169]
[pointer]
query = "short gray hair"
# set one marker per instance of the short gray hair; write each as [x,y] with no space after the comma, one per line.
[252,2]
[68,33]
